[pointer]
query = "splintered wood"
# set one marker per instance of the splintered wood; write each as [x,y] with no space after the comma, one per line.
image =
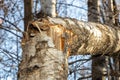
[62,38]
[56,32]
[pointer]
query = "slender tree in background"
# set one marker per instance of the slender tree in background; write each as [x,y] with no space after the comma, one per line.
[93,10]
[110,17]
[28,16]
[98,62]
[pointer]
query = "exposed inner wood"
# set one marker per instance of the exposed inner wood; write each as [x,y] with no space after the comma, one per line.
[77,37]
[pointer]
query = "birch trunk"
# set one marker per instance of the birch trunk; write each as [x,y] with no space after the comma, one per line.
[81,37]
[41,60]
[48,8]
[70,36]
[90,38]
[49,41]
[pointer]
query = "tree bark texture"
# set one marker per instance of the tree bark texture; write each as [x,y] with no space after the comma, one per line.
[28,4]
[94,10]
[98,63]
[48,7]
[87,37]
[41,60]
[51,40]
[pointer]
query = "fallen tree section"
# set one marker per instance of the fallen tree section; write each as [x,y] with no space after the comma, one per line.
[78,37]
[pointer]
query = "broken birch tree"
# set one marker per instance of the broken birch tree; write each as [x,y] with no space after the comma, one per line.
[48,42]
[64,37]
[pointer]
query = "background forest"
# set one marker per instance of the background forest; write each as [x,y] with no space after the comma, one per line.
[81,67]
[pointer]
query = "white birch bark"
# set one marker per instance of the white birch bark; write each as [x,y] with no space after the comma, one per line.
[48,7]
[88,37]
[43,61]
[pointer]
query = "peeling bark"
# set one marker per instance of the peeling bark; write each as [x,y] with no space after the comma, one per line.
[51,40]
[87,37]
[41,61]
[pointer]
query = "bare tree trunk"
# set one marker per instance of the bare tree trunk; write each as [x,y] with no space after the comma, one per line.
[81,37]
[42,61]
[48,8]
[116,58]
[116,13]
[111,16]
[98,68]
[69,36]
[51,40]
[27,12]
[98,63]
[93,10]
